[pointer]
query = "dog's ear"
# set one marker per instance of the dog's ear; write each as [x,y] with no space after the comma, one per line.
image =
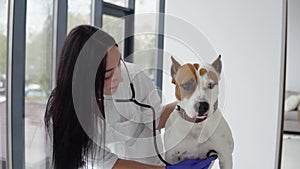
[217,64]
[174,68]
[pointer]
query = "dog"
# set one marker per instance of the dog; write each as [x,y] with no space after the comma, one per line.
[197,126]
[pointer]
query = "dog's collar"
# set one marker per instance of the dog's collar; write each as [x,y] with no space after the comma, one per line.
[193,120]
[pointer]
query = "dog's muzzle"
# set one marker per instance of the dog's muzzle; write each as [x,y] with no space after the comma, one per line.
[201,108]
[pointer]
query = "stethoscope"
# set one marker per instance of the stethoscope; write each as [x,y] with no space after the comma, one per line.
[211,153]
[133,100]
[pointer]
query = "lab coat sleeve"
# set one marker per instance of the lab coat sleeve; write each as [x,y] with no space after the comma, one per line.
[147,93]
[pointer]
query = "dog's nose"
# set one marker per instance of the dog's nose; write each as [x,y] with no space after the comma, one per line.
[201,108]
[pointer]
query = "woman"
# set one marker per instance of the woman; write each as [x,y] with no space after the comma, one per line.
[110,135]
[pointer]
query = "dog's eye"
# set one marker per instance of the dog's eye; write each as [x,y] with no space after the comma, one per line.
[188,85]
[211,85]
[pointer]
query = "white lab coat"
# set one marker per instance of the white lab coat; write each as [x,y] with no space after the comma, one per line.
[129,130]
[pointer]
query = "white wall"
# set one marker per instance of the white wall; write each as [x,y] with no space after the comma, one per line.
[248,35]
[293,50]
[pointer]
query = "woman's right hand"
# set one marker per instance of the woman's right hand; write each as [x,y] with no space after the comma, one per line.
[193,164]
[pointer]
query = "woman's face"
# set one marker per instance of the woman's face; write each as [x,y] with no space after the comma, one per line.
[112,77]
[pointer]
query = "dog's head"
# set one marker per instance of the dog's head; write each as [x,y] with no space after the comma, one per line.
[197,87]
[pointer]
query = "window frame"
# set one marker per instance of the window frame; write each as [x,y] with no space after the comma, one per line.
[119,12]
[15,111]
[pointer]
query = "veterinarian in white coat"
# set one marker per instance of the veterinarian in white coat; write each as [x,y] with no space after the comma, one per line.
[127,129]
[129,126]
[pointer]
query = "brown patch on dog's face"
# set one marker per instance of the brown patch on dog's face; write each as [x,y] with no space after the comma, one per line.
[196,66]
[213,77]
[185,81]
[202,71]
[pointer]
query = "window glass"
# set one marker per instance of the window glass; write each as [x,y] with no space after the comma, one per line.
[115,27]
[123,3]
[37,80]
[79,12]
[3,54]
[145,44]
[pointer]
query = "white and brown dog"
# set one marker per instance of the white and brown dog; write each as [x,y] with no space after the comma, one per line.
[197,126]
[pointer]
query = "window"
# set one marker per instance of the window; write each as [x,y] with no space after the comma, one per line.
[115,22]
[123,3]
[144,14]
[115,27]
[37,79]
[41,34]
[79,12]
[145,45]
[3,54]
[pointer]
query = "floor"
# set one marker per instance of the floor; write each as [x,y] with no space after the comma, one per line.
[290,152]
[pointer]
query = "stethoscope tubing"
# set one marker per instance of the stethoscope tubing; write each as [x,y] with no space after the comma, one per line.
[133,100]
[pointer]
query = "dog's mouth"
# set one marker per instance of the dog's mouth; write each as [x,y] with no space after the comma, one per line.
[201,115]
[201,118]
[196,118]
[201,109]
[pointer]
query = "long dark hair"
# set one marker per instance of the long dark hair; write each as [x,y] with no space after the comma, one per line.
[71,143]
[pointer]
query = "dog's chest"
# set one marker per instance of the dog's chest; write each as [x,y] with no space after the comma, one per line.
[186,140]
[187,148]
